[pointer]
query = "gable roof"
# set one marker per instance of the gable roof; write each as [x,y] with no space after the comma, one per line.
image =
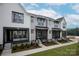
[58,19]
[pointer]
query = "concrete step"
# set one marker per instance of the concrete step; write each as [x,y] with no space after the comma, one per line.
[56,42]
[6,52]
[7,46]
[40,44]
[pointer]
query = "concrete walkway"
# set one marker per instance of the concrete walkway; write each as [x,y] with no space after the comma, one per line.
[7,49]
[22,53]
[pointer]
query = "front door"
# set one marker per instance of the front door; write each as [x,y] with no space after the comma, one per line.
[55,34]
[8,35]
[41,34]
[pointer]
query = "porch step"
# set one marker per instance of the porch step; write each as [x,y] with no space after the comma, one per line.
[7,49]
[7,46]
[6,52]
[56,41]
[40,44]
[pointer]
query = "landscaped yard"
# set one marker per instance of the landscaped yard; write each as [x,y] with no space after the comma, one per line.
[49,43]
[23,47]
[70,50]
[64,41]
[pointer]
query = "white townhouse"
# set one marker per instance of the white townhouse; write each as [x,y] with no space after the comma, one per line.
[44,28]
[18,26]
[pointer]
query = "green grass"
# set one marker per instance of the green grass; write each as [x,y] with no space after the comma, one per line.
[70,50]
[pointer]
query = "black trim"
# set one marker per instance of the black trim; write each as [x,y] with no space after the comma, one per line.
[15,28]
[21,41]
[41,27]
[12,29]
[58,29]
[13,17]
[44,28]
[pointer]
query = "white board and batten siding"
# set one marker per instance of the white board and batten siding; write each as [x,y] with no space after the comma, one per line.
[6,17]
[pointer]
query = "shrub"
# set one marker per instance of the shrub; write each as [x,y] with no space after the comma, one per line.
[15,47]
[28,45]
[22,46]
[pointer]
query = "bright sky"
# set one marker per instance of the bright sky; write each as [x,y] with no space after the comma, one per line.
[55,10]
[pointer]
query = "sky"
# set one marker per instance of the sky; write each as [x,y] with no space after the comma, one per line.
[70,11]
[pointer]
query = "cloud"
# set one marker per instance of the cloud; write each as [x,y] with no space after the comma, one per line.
[76,8]
[72,20]
[56,4]
[45,12]
[30,5]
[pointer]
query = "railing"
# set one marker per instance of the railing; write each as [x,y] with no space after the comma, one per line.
[56,26]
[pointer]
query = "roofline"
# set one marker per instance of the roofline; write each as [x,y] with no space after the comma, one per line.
[22,7]
[38,15]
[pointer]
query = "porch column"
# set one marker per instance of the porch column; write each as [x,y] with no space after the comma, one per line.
[30,35]
[60,34]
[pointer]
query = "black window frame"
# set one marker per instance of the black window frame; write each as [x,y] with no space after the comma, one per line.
[13,17]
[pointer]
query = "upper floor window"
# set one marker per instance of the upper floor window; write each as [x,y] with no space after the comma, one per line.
[40,21]
[18,17]
[32,19]
[56,26]
[56,22]
[64,25]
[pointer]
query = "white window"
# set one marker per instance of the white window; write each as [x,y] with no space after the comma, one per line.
[40,21]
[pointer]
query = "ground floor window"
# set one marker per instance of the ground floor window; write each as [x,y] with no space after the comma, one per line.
[15,35]
[20,35]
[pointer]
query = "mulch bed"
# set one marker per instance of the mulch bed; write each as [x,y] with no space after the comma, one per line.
[49,43]
[28,47]
[64,41]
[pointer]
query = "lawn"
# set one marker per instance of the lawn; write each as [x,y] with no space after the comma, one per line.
[70,50]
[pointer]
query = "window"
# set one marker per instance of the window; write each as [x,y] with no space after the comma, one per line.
[32,31]
[64,25]
[56,22]
[18,17]
[40,21]
[20,34]
[50,31]
[56,25]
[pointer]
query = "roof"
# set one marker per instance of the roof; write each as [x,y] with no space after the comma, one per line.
[35,15]
[59,19]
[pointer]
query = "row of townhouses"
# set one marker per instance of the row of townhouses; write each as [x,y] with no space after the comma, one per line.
[17,25]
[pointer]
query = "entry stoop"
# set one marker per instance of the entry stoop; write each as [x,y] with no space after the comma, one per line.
[40,44]
[7,49]
[7,46]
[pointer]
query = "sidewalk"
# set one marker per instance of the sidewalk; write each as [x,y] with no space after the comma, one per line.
[22,53]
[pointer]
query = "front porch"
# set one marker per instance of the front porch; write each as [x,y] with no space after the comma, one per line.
[42,34]
[13,36]
[58,34]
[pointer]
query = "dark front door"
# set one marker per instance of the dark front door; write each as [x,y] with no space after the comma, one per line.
[55,34]
[41,34]
[8,34]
